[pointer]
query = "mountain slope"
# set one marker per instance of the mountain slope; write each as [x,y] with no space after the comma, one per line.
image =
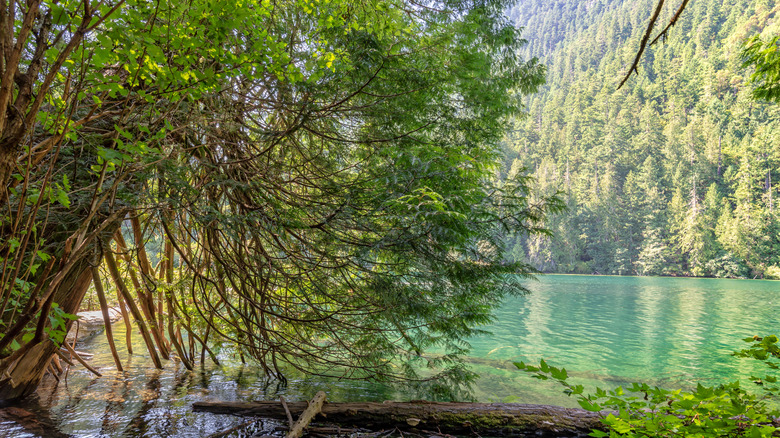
[675,173]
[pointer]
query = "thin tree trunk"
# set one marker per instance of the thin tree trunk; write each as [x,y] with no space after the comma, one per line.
[720,154]
[106,318]
[147,303]
[769,188]
[126,319]
[174,336]
[112,268]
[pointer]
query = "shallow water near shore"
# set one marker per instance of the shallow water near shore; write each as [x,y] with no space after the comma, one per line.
[606,331]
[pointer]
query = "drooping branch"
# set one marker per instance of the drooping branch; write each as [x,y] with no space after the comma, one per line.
[662,35]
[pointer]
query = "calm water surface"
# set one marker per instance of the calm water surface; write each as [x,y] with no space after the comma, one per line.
[609,331]
[606,331]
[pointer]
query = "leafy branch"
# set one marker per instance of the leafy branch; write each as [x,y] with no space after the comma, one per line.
[642,410]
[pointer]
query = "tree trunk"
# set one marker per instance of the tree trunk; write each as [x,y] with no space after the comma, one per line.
[21,377]
[66,286]
[451,418]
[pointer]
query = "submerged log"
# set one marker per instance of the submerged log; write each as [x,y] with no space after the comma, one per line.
[453,418]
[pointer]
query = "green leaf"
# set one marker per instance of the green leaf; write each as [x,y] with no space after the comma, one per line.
[589,406]
[62,198]
[559,374]
[59,15]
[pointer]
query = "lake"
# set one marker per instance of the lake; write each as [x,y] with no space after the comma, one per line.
[606,331]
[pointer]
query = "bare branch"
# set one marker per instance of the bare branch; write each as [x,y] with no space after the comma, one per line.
[672,22]
[643,45]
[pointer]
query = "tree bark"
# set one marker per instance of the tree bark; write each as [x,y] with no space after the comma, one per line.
[22,376]
[66,286]
[451,418]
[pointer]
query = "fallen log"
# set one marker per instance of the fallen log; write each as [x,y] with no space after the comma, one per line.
[227,432]
[324,430]
[452,418]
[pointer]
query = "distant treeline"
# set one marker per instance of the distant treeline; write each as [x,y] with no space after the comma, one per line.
[674,174]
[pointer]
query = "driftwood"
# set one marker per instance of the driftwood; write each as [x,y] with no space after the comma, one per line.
[314,408]
[452,418]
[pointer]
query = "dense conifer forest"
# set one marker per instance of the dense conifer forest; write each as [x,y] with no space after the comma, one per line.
[674,174]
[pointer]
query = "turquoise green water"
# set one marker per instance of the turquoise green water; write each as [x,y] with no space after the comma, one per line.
[609,331]
[606,331]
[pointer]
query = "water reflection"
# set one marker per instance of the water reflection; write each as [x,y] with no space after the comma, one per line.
[606,331]
[612,330]
[145,402]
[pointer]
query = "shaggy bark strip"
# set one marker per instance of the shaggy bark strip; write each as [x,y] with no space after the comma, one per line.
[453,418]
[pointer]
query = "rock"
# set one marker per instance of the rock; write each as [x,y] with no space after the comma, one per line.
[90,323]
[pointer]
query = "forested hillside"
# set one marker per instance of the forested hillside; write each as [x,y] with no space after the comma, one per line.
[676,173]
